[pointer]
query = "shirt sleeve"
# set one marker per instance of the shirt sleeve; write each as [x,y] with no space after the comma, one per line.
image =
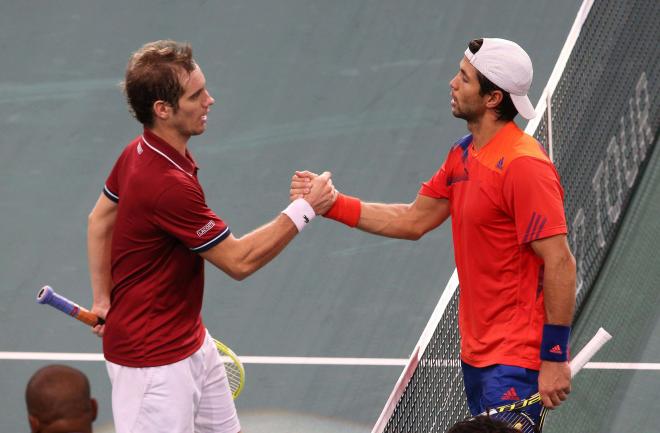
[534,197]
[181,211]
[452,170]
[111,187]
[437,186]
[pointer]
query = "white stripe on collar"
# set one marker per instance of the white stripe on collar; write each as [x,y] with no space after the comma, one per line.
[165,156]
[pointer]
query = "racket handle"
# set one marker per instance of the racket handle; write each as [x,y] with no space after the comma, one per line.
[48,296]
[589,350]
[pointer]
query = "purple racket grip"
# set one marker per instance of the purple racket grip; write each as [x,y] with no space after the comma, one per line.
[47,296]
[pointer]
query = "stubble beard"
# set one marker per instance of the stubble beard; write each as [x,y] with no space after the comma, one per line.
[469,115]
[462,115]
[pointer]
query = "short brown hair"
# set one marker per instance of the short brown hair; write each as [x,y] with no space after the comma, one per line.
[505,110]
[152,74]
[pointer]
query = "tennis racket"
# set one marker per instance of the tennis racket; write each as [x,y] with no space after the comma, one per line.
[233,365]
[514,415]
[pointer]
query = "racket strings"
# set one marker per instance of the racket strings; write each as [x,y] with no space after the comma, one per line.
[518,420]
[234,376]
[233,368]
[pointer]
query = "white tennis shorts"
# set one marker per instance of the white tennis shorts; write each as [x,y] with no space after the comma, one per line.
[191,395]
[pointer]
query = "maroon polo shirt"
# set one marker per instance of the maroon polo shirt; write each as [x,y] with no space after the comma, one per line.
[162,224]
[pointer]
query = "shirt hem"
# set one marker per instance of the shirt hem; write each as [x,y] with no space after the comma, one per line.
[558,230]
[516,362]
[112,196]
[428,192]
[145,363]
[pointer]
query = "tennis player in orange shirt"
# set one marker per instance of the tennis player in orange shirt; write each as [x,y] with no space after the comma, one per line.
[516,271]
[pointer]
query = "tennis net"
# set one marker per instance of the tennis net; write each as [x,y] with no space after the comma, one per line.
[598,119]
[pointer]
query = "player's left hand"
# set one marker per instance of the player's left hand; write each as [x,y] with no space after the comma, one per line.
[101,310]
[554,383]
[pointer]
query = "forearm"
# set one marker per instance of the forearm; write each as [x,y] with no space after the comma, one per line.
[259,247]
[99,240]
[390,220]
[559,297]
[559,290]
[402,221]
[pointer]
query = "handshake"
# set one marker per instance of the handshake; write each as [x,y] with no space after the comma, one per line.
[317,190]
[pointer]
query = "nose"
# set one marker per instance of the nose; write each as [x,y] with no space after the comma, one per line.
[210,100]
[452,82]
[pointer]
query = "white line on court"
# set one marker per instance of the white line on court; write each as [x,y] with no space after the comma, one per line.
[623,365]
[292,360]
[298,360]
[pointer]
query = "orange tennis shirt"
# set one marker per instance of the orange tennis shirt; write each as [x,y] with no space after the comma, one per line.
[502,197]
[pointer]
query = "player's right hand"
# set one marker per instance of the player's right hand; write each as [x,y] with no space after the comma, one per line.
[322,193]
[301,184]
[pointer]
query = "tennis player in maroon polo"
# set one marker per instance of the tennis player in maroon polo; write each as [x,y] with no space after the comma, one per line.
[148,236]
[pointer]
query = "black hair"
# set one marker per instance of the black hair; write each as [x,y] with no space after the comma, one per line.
[482,424]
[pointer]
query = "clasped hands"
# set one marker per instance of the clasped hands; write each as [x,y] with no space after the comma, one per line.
[318,190]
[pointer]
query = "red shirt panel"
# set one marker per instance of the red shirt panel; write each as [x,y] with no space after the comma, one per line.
[162,224]
[501,198]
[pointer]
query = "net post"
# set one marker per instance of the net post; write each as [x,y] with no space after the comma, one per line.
[397,392]
[560,65]
[417,353]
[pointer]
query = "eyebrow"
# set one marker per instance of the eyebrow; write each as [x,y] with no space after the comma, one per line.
[194,95]
[464,73]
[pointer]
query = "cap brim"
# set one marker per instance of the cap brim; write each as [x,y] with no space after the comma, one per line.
[524,106]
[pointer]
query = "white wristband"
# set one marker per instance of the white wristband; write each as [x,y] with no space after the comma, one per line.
[300,212]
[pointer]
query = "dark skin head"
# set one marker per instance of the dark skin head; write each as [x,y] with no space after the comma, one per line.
[58,400]
[482,424]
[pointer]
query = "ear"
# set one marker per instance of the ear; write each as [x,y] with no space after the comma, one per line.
[494,98]
[34,423]
[162,110]
[95,408]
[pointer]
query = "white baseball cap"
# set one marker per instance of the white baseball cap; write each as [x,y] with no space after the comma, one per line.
[508,66]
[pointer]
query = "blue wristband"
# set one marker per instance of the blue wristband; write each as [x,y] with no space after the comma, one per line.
[554,345]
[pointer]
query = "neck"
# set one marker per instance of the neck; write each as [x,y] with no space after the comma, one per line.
[483,130]
[61,426]
[173,137]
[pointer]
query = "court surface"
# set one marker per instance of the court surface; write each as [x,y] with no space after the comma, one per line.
[356,87]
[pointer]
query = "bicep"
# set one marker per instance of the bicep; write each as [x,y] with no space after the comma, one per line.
[225,255]
[553,248]
[105,211]
[558,278]
[428,213]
